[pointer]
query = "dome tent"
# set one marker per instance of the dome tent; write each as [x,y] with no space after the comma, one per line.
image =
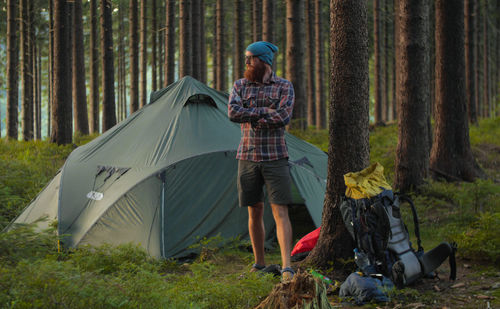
[165,177]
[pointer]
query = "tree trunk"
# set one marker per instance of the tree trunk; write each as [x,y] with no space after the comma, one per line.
[412,154]
[268,21]
[108,76]
[257,20]
[451,155]
[477,69]
[239,39]
[203,55]
[197,32]
[319,49]
[143,56]
[169,43]
[94,69]
[394,65]
[486,67]
[220,69]
[12,71]
[295,52]
[470,59]
[134,57]
[61,104]
[154,38]
[122,81]
[79,88]
[185,39]
[386,20]
[378,72]
[310,63]
[26,73]
[349,122]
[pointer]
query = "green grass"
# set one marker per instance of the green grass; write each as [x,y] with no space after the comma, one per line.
[35,275]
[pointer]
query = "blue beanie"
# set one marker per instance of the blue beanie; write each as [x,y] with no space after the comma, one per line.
[263,50]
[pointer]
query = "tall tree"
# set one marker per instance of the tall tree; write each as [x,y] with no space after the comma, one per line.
[477,62]
[239,39]
[26,72]
[295,53]
[310,63]
[79,88]
[51,67]
[143,56]
[378,68]
[451,154]
[61,105]
[268,21]
[197,32]
[256,20]
[412,154]
[154,39]
[134,57]
[349,121]
[203,54]
[108,76]
[169,67]
[470,81]
[94,69]
[12,70]
[486,63]
[185,37]
[220,69]
[319,49]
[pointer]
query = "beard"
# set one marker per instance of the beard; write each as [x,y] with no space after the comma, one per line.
[255,73]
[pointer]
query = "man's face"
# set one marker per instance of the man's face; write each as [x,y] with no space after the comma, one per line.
[256,68]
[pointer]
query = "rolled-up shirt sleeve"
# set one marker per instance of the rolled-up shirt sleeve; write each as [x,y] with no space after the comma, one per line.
[283,113]
[238,113]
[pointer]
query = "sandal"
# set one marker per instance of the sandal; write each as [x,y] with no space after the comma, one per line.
[289,276]
[257,267]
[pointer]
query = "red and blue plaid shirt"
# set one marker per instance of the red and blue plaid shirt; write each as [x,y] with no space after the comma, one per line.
[262,133]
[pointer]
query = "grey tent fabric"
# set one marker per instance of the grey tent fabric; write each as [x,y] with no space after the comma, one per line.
[166,177]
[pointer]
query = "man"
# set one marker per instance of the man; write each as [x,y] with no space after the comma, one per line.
[263,104]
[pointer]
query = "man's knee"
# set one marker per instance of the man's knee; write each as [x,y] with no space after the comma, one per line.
[256,211]
[280,212]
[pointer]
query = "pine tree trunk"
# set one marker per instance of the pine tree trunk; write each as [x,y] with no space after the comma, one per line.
[12,71]
[257,20]
[310,63]
[239,39]
[451,155]
[349,122]
[203,52]
[196,36]
[134,57]
[61,104]
[412,154]
[477,71]
[377,74]
[386,69]
[169,67]
[79,88]
[94,69]
[143,56]
[394,57]
[26,73]
[38,128]
[220,69]
[108,76]
[319,49]
[295,52]
[268,21]
[470,60]
[185,38]
[154,39]
[486,67]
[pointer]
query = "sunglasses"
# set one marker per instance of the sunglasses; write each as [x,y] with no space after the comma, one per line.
[249,58]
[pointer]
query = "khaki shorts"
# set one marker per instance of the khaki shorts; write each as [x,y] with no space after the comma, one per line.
[275,175]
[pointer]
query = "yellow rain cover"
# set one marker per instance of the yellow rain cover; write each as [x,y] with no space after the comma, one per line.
[366,183]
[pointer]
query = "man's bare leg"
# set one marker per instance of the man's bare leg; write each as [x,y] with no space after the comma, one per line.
[284,233]
[257,232]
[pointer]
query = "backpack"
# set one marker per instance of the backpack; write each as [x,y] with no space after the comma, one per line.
[381,237]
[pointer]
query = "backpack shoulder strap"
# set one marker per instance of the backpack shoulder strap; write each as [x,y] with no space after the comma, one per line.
[405,198]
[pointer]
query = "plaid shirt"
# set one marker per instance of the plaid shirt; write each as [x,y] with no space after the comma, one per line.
[262,133]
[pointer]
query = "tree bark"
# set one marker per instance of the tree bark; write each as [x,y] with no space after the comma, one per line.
[486,64]
[108,76]
[220,69]
[143,56]
[26,73]
[79,88]
[169,43]
[134,57]
[203,55]
[61,104]
[412,154]
[319,49]
[154,39]
[477,72]
[349,122]
[378,72]
[239,39]
[470,59]
[451,152]
[394,64]
[295,53]
[196,37]
[310,63]
[94,69]
[12,72]
[268,21]
[257,20]
[185,62]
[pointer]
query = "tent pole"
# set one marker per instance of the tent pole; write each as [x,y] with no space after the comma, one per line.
[163,214]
